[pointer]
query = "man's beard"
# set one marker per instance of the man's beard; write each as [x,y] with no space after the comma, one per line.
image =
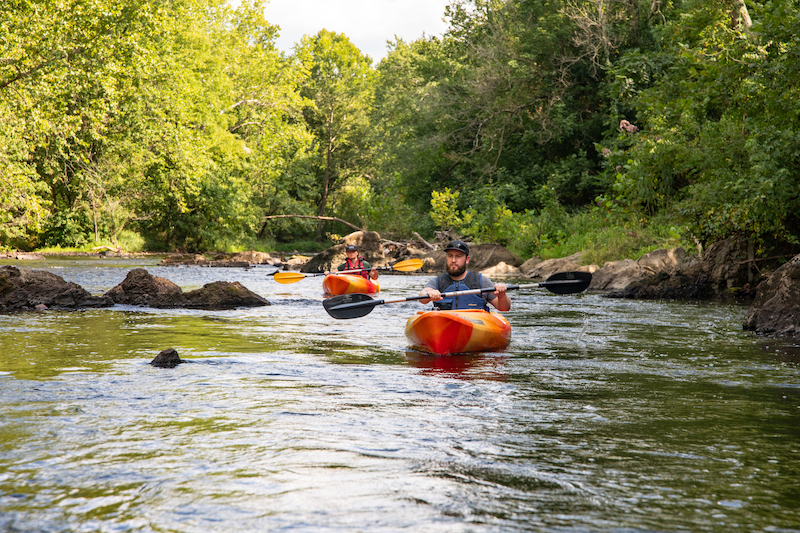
[455,271]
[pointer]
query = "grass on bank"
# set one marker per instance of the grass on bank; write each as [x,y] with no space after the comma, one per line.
[600,236]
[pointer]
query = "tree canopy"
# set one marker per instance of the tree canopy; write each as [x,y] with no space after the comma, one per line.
[179,125]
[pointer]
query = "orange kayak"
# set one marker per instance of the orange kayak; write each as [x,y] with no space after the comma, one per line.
[337,284]
[446,332]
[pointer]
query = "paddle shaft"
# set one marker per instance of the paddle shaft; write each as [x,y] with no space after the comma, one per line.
[402,266]
[334,272]
[357,305]
[373,303]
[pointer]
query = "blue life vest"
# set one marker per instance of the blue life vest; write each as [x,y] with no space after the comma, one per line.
[465,301]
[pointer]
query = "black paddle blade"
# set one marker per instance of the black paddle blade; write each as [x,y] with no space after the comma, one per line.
[567,282]
[350,305]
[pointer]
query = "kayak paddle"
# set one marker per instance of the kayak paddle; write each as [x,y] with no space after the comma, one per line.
[357,305]
[408,265]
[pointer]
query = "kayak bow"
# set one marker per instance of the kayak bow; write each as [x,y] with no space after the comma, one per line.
[449,332]
[338,284]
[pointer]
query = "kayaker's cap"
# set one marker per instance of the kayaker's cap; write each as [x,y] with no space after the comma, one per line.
[461,246]
[351,248]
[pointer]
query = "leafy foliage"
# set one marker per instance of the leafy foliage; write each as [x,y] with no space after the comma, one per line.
[339,90]
[545,126]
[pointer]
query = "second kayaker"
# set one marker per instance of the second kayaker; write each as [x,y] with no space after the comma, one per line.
[356,262]
[458,278]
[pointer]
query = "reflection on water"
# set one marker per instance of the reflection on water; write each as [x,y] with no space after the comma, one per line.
[602,415]
[459,366]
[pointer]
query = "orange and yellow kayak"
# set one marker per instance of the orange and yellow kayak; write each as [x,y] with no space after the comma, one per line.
[337,284]
[447,332]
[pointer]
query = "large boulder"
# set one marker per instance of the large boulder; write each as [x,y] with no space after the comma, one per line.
[527,267]
[483,256]
[662,260]
[223,295]
[545,269]
[39,289]
[295,262]
[369,247]
[776,308]
[618,275]
[723,271]
[502,270]
[142,288]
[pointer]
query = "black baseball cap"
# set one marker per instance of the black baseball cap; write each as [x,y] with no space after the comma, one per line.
[461,246]
[351,248]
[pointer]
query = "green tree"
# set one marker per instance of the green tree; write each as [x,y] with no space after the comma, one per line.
[339,88]
[167,117]
[719,113]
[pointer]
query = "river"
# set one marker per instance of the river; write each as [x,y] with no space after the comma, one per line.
[602,415]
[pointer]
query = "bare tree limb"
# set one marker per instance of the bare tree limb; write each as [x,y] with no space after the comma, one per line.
[423,241]
[333,219]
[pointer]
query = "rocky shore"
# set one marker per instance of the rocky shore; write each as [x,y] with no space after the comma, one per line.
[726,269]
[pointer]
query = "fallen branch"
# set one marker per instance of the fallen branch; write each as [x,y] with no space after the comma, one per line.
[332,219]
[423,241]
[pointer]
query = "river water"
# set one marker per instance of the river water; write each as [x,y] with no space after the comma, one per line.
[602,415]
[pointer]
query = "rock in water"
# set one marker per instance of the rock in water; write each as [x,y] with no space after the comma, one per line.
[142,288]
[168,358]
[223,295]
[775,310]
[31,289]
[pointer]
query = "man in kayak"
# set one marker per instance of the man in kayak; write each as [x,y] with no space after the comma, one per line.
[355,262]
[458,278]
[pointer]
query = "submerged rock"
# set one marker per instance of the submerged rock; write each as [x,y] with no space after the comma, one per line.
[775,310]
[32,289]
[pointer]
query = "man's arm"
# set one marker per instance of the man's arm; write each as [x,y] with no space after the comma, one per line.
[373,272]
[500,301]
[430,291]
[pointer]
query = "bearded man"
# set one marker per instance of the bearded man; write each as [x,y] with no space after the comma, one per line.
[458,278]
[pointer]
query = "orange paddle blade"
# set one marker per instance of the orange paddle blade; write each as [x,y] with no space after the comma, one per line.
[408,265]
[288,277]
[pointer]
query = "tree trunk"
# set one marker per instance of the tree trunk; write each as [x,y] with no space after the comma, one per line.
[740,16]
[322,202]
[326,185]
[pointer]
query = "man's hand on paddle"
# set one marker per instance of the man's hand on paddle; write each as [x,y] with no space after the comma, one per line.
[433,294]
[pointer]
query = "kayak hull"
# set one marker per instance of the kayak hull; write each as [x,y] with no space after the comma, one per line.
[448,332]
[336,284]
